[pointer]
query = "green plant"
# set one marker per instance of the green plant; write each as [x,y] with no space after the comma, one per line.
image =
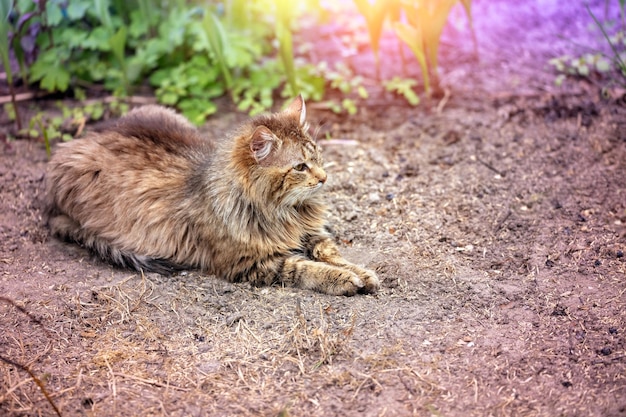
[190,86]
[426,20]
[217,43]
[617,56]
[595,62]
[404,88]
[5,10]
[375,15]
[47,127]
[285,13]
[581,66]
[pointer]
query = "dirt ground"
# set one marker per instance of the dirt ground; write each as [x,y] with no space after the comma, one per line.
[495,217]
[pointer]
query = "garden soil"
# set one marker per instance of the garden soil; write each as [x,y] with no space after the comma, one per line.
[494,214]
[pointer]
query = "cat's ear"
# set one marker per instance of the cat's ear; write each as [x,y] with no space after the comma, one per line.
[298,109]
[262,142]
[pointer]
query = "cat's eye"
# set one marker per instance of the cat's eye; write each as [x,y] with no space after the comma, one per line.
[301,167]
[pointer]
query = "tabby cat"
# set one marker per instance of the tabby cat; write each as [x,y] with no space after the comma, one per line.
[150,193]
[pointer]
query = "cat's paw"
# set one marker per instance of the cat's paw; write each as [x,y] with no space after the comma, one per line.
[371,283]
[343,282]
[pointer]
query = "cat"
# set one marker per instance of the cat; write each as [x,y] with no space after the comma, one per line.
[148,192]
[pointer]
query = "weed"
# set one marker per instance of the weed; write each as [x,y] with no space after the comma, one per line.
[588,64]
[404,88]
[70,123]
[5,10]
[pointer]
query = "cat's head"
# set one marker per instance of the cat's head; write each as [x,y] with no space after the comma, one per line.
[283,161]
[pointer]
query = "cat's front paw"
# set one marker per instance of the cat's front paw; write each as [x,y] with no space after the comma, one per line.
[371,283]
[342,282]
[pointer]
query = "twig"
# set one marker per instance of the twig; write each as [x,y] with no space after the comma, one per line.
[18,97]
[444,100]
[40,384]
[491,167]
[150,382]
[114,387]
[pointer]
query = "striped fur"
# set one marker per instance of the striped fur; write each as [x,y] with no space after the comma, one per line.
[149,193]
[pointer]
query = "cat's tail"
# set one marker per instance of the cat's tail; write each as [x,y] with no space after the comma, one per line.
[67,229]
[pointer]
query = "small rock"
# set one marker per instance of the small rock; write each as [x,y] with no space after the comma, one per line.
[373,198]
[234,318]
[350,216]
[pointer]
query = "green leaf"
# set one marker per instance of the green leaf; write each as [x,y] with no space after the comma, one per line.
[53,14]
[50,72]
[98,40]
[349,105]
[216,39]
[403,87]
[169,98]
[414,40]
[101,9]
[603,65]
[558,81]
[138,25]
[197,110]
[5,9]
[56,79]
[76,10]
[117,42]
[362,92]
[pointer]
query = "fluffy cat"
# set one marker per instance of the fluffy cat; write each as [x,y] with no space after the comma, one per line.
[150,193]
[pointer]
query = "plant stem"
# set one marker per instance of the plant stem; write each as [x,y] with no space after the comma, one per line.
[615,52]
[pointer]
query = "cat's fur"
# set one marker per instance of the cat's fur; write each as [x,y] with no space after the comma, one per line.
[150,193]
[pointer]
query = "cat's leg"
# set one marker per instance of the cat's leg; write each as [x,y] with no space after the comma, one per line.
[323,249]
[302,272]
[64,227]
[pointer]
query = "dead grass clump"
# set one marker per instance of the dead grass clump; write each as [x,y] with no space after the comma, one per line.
[315,340]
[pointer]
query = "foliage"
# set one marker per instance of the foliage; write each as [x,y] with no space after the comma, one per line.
[192,52]
[581,66]
[589,63]
[5,10]
[421,30]
[403,87]
[375,15]
[617,55]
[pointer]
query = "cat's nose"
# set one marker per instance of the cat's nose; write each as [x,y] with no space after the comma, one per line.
[322,178]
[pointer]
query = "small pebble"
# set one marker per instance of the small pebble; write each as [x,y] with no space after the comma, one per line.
[373,197]
[390,196]
[350,216]
[620,254]
[606,351]
[597,263]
